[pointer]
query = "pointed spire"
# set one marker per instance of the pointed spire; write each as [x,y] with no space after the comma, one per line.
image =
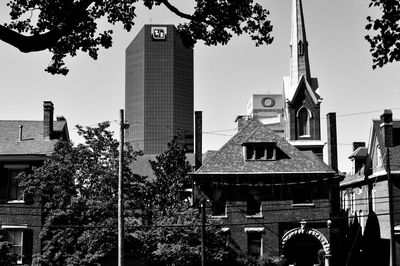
[299,46]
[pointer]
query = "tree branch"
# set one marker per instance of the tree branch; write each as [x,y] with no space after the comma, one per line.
[32,43]
[175,10]
[43,41]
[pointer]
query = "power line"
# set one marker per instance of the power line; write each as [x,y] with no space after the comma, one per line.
[197,225]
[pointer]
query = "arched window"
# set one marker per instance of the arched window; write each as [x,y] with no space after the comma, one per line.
[303,119]
[379,156]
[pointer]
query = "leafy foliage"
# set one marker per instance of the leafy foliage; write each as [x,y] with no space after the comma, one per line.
[385,37]
[78,190]
[68,26]
[173,237]
[7,258]
[170,169]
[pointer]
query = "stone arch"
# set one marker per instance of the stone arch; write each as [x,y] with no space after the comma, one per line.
[315,233]
[310,114]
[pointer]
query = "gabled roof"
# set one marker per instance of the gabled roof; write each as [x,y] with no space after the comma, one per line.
[359,153]
[394,151]
[291,93]
[32,142]
[230,159]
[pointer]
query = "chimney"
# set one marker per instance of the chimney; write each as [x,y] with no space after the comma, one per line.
[48,110]
[357,145]
[241,121]
[332,141]
[20,132]
[387,127]
[198,138]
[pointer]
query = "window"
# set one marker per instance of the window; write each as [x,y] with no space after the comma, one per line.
[20,240]
[260,151]
[362,220]
[345,201]
[219,208]
[352,202]
[218,202]
[373,199]
[303,120]
[254,244]
[9,183]
[253,207]
[302,195]
[14,237]
[379,156]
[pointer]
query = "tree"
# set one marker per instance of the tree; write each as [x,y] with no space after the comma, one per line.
[7,258]
[68,26]
[77,188]
[385,33]
[173,235]
[170,169]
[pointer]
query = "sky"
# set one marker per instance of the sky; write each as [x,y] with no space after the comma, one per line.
[225,76]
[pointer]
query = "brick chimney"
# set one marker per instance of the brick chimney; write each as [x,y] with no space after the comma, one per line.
[48,111]
[241,121]
[198,139]
[357,145]
[387,127]
[332,141]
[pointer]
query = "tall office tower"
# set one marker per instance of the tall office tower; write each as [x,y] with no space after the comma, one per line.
[158,89]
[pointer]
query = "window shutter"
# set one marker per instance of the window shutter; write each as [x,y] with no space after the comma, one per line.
[27,246]
[3,184]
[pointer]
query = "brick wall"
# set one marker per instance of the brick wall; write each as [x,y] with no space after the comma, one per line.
[277,218]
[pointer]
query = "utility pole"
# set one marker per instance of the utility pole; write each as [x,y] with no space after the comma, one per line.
[120,191]
[390,196]
[203,231]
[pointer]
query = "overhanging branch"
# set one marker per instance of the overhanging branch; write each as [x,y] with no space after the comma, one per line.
[31,43]
[175,10]
[43,41]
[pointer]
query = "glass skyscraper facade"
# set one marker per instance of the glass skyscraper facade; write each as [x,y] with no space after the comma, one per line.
[158,89]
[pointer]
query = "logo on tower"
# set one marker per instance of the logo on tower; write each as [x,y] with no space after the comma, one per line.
[267,102]
[159,33]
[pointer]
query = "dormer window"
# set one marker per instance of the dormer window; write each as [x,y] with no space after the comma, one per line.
[260,151]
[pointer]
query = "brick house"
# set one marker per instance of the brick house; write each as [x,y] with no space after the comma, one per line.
[271,197]
[23,145]
[371,196]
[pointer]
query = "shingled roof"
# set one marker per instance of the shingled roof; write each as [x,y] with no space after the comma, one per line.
[230,159]
[360,152]
[32,141]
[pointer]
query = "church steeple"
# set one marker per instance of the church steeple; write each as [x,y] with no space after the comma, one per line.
[302,101]
[299,62]
[299,46]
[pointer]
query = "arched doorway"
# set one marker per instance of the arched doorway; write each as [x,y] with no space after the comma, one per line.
[302,250]
[305,247]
